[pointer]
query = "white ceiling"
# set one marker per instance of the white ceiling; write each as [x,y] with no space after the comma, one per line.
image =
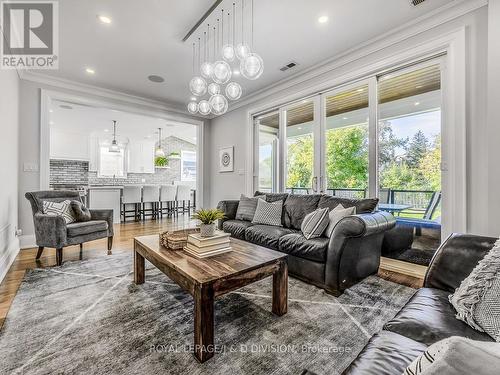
[80,119]
[145,38]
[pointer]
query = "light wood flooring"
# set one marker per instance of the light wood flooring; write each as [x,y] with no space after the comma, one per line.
[123,242]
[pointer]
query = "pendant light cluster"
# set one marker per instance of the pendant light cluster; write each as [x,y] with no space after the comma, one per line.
[223,58]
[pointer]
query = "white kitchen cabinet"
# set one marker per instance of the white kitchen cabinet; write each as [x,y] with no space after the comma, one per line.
[106,197]
[69,145]
[141,157]
[94,154]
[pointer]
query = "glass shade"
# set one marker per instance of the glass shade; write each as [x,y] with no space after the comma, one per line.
[213,89]
[233,91]
[252,66]
[218,104]
[206,69]
[242,51]
[228,52]
[192,107]
[222,72]
[204,107]
[198,86]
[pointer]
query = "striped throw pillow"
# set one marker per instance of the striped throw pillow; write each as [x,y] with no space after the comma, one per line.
[315,223]
[268,213]
[60,209]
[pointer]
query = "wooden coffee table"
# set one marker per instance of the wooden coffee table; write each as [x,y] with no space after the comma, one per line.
[209,278]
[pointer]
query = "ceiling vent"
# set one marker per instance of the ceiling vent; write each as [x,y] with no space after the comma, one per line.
[290,65]
[416,2]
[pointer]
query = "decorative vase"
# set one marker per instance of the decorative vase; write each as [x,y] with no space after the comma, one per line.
[207,230]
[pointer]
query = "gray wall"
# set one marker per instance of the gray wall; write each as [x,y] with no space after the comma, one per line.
[9,145]
[230,129]
[29,146]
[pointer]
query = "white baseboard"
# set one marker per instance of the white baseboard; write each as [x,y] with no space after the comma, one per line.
[8,257]
[27,241]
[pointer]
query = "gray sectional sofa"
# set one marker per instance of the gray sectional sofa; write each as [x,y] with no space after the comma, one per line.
[349,255]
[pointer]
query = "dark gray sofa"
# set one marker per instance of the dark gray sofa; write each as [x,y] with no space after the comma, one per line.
[428,317]
[52,231]
[351,254]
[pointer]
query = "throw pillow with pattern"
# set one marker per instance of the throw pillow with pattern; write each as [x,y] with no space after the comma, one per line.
[476,299]
[315,223]
[247,206]
[268,213]
[337,214]
[59,209]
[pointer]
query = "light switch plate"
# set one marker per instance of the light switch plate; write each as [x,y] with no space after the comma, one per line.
[241,172]
[30,167]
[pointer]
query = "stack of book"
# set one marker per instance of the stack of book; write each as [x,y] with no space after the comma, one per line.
[203,247]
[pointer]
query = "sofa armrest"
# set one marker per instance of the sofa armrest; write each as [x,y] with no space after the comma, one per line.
[354,249]
[103,215]
[50,230]
[455,259]
[229,207]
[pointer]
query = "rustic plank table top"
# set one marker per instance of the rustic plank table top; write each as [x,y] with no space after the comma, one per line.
[207,278]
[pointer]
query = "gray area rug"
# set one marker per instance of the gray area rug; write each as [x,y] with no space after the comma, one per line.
[88,317]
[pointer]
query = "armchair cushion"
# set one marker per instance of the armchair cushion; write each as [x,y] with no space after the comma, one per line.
[80,212]
[87,227]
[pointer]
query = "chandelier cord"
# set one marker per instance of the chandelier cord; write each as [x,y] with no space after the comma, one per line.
[251,9]
[222,38]
[234,18]
[199,43]
[242,21]
[193,57]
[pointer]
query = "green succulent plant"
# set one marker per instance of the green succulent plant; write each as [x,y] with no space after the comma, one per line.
[208,216]
[161,161]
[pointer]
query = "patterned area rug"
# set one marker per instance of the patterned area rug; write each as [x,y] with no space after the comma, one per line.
[89,317]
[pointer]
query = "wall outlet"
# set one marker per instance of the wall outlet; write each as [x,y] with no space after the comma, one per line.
[30,167]
[19,232]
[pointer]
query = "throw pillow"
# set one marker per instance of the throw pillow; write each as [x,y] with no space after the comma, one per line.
[315,223]
[247,206]
[337,214]
[60,209]
[268,213]
[476,299]
[457,355]
[80,212]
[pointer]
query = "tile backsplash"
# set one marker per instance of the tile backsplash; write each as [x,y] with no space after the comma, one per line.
[69,172]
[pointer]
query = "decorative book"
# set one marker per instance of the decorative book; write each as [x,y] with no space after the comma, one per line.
[199,241]
[207,253]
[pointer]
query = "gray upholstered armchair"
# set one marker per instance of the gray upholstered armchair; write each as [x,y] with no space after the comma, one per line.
[52,231]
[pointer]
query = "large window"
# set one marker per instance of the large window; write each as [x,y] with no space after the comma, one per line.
[377,137]
[188,165]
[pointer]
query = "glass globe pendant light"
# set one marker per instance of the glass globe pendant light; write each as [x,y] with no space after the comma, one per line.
[197,85]
[228,52]
[252,66]
[204,107]
[242,49]
[218,104]
[207,68]
[192,107]
[222,72]
[213,88]
[233,91]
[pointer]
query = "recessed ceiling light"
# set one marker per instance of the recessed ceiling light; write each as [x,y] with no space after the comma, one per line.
[51,110]
[104,19]
[51,122]
[323,19]
[90,71]
[417,103]
[106,130]
[156,79]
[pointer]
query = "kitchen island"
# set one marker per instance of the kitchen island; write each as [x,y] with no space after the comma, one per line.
[106,197]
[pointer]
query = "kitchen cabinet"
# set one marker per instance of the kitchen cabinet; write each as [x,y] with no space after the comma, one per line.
[69,145]
[106,197]
[141,157]
[94,154]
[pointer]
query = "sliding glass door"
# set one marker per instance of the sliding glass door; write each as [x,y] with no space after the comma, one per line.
[267,145]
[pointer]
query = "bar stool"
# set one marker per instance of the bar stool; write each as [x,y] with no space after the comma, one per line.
[183,195]
[131,195]
[150,195]
[168,195]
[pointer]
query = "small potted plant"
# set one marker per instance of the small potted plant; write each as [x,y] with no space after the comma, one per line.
[208,217]
[161,161]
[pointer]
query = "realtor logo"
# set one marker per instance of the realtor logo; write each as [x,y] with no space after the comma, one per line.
[30,35]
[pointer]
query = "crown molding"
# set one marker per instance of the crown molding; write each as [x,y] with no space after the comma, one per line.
[417,26]
[66,84]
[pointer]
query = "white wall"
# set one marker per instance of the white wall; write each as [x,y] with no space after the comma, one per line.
[230,129]
[29,144]
[493,114]
[9,125]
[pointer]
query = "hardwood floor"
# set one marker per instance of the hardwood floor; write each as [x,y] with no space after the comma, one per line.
[123,242]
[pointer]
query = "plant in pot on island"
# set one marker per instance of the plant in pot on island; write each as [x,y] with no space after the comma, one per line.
[208,218]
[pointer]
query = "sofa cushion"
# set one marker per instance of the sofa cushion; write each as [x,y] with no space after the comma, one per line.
[429,317]
[236,228]
[87,227]
[268,213]
[296,207]
[386,353]
[266,235]
[272,197]
[296,244]
[315,223]
[247,207]
[363,206]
